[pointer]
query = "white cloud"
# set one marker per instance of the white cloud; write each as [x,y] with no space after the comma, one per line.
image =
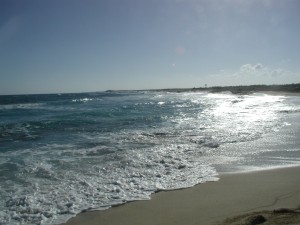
[249,74]
[249,68]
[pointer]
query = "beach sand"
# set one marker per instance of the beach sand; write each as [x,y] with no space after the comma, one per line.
[234,197]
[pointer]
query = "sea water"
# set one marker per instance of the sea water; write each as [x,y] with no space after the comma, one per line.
[61,154]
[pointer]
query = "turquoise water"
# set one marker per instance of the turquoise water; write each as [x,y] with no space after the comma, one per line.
[64,153]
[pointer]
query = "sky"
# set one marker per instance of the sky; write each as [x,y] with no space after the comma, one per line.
[58,46]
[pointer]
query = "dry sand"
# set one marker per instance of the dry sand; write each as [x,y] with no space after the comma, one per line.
[234,196]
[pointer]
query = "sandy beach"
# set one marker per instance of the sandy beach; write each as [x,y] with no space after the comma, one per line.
[210,203]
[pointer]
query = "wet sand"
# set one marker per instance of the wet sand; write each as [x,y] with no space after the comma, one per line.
[234,197]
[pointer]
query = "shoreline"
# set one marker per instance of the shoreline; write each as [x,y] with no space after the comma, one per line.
[208,203]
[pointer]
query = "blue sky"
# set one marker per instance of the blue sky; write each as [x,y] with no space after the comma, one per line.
[51,46]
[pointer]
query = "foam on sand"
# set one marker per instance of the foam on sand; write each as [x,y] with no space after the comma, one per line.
[209,203]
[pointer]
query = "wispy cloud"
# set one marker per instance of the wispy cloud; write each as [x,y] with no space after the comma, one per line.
[258,71]
[249,74]
[249,68]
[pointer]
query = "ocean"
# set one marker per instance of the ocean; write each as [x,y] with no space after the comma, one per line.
[61,154]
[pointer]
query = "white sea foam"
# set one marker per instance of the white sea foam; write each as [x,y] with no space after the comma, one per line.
[83,100]
[22,106]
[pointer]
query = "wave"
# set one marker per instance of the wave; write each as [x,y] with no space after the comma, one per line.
[22,106]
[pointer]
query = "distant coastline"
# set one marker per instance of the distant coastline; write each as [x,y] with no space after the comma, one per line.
[290,88]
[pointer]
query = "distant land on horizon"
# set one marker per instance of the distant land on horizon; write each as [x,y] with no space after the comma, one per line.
[241,89]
